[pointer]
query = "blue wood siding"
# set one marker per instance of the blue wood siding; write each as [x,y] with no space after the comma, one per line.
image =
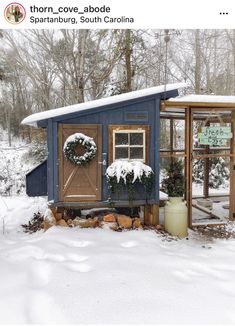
[36,181]
[156,147]
[117,117]
[113,114]
[55,161]
[50,179]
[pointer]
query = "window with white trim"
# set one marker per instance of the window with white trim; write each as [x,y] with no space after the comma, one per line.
[129,145]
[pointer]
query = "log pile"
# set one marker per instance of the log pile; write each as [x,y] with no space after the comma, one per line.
[114,221]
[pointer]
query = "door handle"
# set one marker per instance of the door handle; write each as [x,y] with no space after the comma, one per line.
[103,162]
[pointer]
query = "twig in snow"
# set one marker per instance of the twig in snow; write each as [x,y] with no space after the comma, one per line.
[3,226]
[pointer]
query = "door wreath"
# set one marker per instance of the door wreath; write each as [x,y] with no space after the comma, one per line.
[70,145]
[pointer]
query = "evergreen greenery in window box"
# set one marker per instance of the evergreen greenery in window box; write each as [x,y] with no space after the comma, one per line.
[126,175]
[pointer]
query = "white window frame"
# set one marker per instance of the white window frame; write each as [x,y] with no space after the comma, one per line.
[130,131]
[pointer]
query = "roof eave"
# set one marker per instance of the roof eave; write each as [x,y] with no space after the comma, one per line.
[196,105]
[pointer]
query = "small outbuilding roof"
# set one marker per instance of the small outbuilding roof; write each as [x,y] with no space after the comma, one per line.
[33,119]
[205,101]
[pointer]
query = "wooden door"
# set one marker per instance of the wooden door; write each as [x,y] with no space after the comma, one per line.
[80,183]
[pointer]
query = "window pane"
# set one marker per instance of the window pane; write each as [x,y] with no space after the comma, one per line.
[178,134]
[121,152]
[136,138]
[136,153]
[165,134]
[121,139]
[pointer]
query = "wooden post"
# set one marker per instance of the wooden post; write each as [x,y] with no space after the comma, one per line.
[147,215]
[206,171]
[188,161]
[151,215]
[206,176]
[155,213]
[232,170]
[171,139]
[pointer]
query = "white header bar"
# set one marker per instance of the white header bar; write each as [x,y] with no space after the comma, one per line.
[115,14]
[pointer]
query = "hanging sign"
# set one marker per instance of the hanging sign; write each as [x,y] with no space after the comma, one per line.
[214,136]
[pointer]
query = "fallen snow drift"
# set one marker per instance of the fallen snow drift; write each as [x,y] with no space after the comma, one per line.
[17,210]
[99,276]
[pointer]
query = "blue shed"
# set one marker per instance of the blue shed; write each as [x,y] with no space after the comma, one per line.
[133,117]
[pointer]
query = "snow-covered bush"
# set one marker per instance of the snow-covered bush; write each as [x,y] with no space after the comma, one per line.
[16,161]
[37,151]
[218,172]
[12,179]
[198,171]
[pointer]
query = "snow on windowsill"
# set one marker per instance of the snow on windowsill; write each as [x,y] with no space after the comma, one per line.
[121,168]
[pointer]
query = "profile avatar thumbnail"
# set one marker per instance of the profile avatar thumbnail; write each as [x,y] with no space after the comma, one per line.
[14,13]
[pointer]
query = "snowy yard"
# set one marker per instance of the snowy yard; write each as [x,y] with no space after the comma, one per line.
[100,276]
[74,275]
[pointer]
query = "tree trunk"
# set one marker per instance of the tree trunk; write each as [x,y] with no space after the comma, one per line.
[7,114]
[83,33]
[128,52]
[197,73]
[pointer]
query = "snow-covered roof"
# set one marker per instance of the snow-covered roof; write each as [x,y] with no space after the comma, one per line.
[34,118]
[193,98]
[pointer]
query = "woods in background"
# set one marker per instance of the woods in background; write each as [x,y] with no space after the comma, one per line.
[46,69]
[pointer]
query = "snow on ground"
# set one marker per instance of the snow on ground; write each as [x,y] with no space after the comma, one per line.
[197,190]
[17,210]
[100,276]
[200,218]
